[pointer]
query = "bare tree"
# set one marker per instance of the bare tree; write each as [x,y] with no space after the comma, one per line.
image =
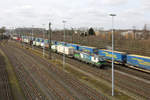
[2,30]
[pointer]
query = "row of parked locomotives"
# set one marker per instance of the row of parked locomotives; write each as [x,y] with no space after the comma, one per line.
[91,55]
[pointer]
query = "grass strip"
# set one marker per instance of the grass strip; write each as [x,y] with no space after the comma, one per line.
[99,86]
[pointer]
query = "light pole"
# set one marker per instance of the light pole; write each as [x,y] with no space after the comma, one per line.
[43,41]
[64,47]
[112,15]
[32,37]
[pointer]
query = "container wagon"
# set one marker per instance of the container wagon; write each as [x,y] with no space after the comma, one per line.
[38,41]
[69,51]
[87,49]
[75,46]
[60,43]
[139,61]
[119,57]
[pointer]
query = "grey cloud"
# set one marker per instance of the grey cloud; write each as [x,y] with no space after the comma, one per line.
[114,2]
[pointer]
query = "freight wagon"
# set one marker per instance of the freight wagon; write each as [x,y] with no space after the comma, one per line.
[14,38]
[34,41]
[60,43]
[26,40]
[75,46]
[47,43]
[54,48]
[43,43]
[119,57]
[53,42]
[18,39]
[38,41]
[65,50]
[87,49]
[139,61]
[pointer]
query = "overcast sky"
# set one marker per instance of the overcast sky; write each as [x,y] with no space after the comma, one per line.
[77,13]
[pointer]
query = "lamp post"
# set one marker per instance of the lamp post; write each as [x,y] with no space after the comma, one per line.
[43,41]
[64,41]
[112,15]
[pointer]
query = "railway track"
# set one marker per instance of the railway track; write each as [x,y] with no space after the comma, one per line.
[28,85]
[53,87]
[58,83]
[73,84]
[5,90]
[126,82]
[122,81]
[118,67]
[50,83]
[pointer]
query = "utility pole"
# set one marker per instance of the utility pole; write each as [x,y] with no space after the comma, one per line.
[43,42]
[23,44]
[20,35]
[14,30]
[32,37]
[112,15]
[72,35]
[50,32]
